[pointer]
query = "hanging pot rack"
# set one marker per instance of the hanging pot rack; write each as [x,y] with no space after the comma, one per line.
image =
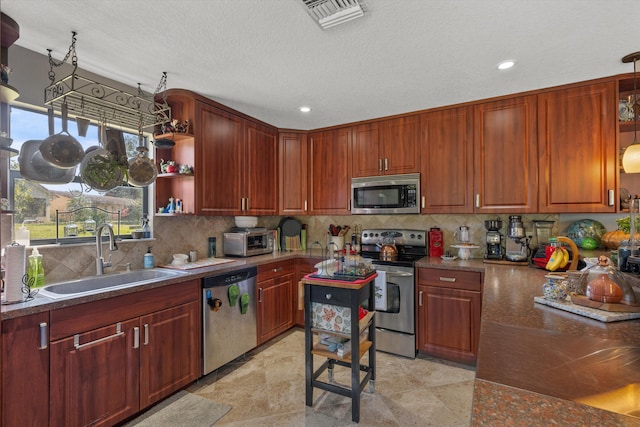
[103,103]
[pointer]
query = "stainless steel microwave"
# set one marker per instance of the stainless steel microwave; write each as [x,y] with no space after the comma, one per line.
[389,194]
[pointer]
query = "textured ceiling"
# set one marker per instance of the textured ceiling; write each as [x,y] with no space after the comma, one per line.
[267,57]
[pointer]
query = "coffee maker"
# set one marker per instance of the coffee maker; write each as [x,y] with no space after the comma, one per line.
[517,244]
[493,239]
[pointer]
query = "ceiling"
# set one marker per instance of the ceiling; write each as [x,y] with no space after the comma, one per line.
[266,58]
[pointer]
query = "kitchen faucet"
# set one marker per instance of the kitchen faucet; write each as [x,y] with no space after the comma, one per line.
[100,264]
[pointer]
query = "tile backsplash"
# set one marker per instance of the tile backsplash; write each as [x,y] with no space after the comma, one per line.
[182,234]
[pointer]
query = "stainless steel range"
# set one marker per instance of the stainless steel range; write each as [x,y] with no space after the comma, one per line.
[395,287]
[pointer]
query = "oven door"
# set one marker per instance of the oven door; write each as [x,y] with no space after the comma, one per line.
[394,292]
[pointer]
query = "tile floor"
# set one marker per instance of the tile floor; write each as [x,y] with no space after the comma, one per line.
[266,387]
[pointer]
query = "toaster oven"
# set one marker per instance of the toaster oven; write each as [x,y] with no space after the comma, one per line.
[245,242]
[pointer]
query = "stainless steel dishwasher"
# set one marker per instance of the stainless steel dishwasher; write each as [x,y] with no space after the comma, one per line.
[228,316]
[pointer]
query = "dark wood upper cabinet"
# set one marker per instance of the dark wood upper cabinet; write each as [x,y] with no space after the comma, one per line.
[330,180]
[505,156]
[260,170]
[577,146]
[386,147]
[446,164]
[294,183]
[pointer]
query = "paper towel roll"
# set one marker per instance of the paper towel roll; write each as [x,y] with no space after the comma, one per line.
[16,261]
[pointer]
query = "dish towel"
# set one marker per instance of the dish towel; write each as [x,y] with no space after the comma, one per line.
[244,303]
[234,292]
[380,285]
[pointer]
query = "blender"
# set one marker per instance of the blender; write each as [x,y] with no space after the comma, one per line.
[493,239]
[517,245]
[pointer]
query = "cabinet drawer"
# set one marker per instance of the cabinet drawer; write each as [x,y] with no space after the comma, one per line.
[331,295]
[455,279]
[275,269]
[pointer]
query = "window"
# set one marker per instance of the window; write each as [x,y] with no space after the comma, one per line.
[75,207]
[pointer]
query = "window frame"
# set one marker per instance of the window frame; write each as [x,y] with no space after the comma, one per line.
[15,174]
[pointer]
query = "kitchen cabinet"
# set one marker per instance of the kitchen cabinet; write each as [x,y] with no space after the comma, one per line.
[275,299]
[238,162]
[233,156]
[176,185]
[446,164]
[25,371]
[626,133]
[577,148]
[293,181]
[329,172]
[169,351]
[129,351]
[386,147]
[448,313]
[506,157]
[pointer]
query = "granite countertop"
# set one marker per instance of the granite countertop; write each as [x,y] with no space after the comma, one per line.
[539,366]
[42,303]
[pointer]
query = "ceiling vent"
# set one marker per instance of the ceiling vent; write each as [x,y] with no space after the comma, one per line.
[329,13]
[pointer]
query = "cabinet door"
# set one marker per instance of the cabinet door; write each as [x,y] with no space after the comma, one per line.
[506,157]
[219,162]
[169,351]
[25,371]
[400,146]
[260,174]
[275,307]
[330,183]
[446,178]
[94,377]
[293,185]
[449,323]
[578,157]
[365,156]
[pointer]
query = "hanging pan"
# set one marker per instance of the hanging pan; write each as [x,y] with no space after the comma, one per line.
[62,150]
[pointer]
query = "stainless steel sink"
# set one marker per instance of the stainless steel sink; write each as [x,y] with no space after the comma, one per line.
[97,284]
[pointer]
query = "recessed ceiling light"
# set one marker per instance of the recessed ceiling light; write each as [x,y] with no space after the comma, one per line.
[305,109]
[505,65]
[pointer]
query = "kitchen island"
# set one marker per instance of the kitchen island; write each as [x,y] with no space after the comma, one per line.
[540,366]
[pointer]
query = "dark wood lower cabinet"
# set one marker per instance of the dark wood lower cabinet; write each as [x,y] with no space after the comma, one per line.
[275,299]
[169,354]
[25,371]
[95,376]
[448,313]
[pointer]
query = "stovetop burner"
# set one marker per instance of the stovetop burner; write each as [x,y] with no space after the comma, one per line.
[411,245]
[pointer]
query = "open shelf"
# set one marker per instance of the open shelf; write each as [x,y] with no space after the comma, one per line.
[323,350]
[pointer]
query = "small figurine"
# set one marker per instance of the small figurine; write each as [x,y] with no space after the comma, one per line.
[171,207]
[186,169]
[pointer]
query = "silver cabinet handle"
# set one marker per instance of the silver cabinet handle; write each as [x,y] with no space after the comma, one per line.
[305,205]
[146,334]
[424,202]
[259,294]
[76,338]
[379,164]
[386,164]
[248,204]
[275,270]
[478,200]
[420,298]
[328,296]
[44,342]
[448,279]
[136,337]
[612,197]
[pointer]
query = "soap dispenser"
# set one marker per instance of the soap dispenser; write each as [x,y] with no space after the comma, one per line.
[35,271]
[149,261]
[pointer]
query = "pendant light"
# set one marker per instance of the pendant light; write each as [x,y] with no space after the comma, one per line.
[631,156]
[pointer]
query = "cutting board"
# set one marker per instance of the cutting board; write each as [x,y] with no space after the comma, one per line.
[592,313]
[207,262]
[290,234]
